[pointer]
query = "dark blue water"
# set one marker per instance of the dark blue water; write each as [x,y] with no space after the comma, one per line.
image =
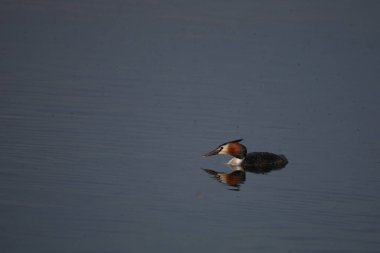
[106,109]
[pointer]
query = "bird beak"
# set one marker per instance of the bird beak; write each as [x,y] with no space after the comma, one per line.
[214,152]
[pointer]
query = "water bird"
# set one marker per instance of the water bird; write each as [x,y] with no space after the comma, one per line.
[254,160]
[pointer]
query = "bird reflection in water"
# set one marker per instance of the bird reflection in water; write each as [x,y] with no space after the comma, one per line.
[237,177]
[233,179]
[242,162]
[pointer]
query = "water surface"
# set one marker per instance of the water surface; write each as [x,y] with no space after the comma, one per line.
[106,109]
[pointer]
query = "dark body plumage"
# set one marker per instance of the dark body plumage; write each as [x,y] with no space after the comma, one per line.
[263,161]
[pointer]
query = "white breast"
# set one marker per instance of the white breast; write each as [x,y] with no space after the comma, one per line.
[235,161]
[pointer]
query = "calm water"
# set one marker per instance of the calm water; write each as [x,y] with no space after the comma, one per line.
[107,107]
